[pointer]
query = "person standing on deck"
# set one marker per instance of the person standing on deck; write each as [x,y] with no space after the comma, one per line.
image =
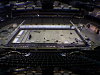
[30,36]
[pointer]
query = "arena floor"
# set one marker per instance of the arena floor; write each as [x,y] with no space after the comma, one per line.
[48,36]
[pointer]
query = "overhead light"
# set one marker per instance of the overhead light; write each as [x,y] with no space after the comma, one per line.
[38,15]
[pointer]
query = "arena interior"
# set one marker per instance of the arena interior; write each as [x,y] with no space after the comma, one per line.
[49,37]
